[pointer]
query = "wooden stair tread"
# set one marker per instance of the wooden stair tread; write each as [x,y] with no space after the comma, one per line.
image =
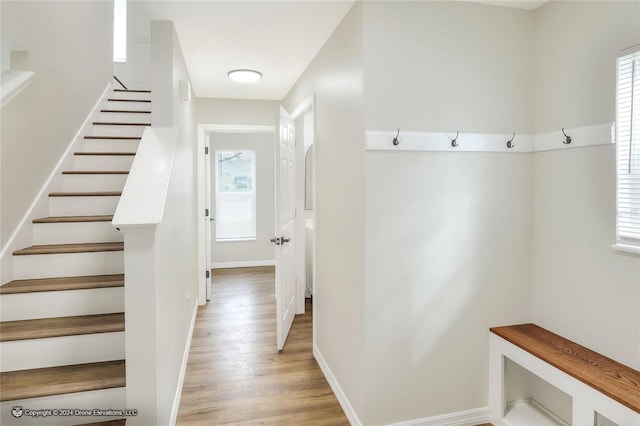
[616,380]
[62,380]
[120,138]
[62,283]
[72,219]
[60,326]
[129,100]
[69,248]
[86,194]
[94,172]
[118,422]
[109,123]
[104,153]
[132,90]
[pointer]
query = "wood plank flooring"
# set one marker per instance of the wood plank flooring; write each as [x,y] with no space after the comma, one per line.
[235,375]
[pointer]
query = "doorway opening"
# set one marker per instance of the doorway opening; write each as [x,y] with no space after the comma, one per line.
[304,119]
[241,198]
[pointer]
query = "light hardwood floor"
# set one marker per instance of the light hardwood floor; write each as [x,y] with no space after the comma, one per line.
[235,375]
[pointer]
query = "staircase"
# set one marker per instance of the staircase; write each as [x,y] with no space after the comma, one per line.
[62,343]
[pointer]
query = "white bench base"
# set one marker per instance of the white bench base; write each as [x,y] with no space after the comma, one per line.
[586,400]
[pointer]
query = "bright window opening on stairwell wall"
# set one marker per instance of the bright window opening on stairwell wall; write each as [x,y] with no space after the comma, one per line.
[628,150]
[120,30]
[235,185]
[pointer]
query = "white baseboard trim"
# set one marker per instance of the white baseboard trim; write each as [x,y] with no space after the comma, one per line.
[461,418]
[245,264]
[183,368]
[337,390]
[23,235]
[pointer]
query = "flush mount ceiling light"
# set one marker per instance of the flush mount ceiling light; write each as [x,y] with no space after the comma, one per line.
[244,76]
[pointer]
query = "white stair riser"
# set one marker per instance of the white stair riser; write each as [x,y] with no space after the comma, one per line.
[64,350]
[123,117]
[130,95]
[82,206]
[110,145]
[92,182]
[51,304]
[129,106]
[103,162]
[114,398]
[67,265]
[75,232]
[124,130]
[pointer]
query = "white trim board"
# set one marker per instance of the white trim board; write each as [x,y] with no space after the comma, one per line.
[183,368]
[600,134]
[13,82]
[244,264]
[335,387]
[460,418]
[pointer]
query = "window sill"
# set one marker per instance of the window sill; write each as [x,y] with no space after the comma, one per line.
[234,240]
[626,248]
[12,83]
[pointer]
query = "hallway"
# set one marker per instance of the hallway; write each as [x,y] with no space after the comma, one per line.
[235,375]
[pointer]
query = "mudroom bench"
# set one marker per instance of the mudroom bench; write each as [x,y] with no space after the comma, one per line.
[596,386]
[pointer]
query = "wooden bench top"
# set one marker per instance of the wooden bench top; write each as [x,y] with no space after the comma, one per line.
[610,377]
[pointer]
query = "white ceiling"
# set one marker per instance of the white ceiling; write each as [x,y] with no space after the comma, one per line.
[277,38]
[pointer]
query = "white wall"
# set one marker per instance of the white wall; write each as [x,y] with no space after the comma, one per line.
[70,71]
[261,250]
[135,73]
[582,289]
[447,235]
[336,78]
[237,111]
[447,66]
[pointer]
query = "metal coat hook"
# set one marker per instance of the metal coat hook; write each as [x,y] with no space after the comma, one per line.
[395,140]
[567,140]
[454,141]
[510,142]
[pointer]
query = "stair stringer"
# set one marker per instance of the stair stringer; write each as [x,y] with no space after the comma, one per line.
[39,207]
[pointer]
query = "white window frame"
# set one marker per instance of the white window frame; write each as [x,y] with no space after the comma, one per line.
[253,197]
[120,31]
[628,151]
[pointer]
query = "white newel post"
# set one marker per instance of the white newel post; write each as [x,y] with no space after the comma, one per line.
[140,324]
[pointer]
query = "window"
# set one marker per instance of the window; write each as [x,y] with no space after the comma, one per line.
[628,151]
[235,195]
[120,30]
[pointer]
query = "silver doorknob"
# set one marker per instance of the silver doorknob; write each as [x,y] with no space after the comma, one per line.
[285,240]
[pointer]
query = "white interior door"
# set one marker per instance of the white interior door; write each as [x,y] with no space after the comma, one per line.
[285,238]
[209,216]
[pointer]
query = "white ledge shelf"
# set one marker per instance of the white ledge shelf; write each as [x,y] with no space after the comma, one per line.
[12,83]
[600,134]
